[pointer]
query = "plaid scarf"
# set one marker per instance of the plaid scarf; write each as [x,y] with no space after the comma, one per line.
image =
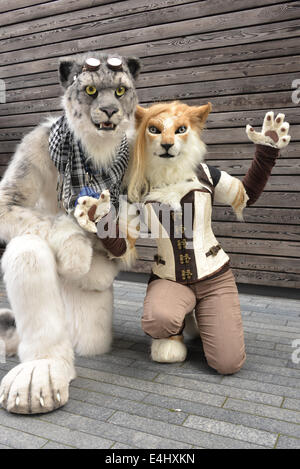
[76,173]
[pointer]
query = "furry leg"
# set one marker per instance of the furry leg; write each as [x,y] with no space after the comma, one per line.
[170,350]
[41,382]
[90,319]
[89,306]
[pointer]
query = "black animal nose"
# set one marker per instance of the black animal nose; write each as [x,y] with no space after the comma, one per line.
[109,111]
[167,146]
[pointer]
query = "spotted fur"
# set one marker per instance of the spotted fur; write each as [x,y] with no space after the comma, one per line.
[84,111]
[58,278]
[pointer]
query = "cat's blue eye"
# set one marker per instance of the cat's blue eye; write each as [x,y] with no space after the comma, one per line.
[154,130]
[181,130]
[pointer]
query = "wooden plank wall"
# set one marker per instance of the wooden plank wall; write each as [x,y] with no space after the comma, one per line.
[241,55]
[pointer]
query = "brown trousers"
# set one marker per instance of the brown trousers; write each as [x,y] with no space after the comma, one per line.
[217,311]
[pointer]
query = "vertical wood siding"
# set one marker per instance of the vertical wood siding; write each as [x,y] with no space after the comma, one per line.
[243,56]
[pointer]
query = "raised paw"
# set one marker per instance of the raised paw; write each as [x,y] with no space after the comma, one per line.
[35,387]
[90,210]
[274,132]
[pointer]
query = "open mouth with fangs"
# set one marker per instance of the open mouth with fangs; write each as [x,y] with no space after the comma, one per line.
[105,125]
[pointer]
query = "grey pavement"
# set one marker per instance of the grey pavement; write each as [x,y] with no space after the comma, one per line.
[123,400]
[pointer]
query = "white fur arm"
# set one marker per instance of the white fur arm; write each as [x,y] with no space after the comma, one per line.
[231,191]
[90,210]
[25,181]
[274,132]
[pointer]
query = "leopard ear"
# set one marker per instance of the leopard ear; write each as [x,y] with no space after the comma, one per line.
[67,70]
[134,66]
[140,112]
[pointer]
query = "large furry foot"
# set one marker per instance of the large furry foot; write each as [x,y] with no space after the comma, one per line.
[74,257]
[274,132]
[35,387]
[169,350]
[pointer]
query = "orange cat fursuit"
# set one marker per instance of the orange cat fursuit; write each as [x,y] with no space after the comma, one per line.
[191,272]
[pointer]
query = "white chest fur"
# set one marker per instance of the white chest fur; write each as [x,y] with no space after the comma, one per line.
[171,194]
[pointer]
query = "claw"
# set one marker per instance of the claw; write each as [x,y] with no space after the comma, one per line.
[17,401]
[58,397]
[1,398]
[42,402]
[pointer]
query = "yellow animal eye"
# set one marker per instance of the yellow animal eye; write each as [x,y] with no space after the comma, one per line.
[120,91]
[91,90]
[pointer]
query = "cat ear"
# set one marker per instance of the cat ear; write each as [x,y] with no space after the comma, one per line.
[201,112]
[134,66]
[140,112]
[67,70]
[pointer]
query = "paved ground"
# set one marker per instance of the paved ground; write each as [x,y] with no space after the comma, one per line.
[122,400]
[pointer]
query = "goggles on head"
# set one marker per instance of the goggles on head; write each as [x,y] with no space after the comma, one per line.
[92,65]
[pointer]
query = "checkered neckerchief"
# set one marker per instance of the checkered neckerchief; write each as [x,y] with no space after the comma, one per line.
[76,171]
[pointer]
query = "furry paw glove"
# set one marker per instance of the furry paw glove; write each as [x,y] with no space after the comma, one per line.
[270,140]
[274,132]
[89,210]
[95,215]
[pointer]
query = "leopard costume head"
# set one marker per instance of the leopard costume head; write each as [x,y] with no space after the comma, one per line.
[99,101]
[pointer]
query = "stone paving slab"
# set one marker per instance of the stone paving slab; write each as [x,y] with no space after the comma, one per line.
[122,400]
[285,442]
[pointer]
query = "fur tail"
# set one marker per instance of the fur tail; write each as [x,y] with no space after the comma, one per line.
[191,327]
[8,332]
